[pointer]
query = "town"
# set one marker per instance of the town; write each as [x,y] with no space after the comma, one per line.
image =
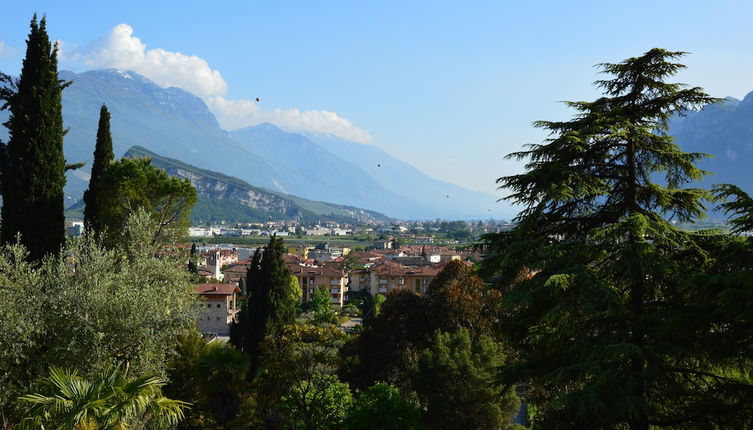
[345,273]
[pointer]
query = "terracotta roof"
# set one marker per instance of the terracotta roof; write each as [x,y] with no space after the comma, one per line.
[299,270]
[236,268]
[292,259]
[217,289]
[390,268]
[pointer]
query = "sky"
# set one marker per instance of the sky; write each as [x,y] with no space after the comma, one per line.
[449,87]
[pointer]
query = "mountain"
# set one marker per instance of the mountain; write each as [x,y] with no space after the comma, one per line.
[408,182]
[176,124]
[335,178]
[724,131]
[169,121]
[222,197]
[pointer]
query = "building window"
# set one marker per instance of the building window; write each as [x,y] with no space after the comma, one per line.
[209,305]
[218,305]
[218,318]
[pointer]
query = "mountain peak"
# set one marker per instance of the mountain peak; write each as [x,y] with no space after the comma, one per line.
[179,102]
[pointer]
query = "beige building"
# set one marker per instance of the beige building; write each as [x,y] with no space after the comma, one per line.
[310,278]
[217,307]
[389,275]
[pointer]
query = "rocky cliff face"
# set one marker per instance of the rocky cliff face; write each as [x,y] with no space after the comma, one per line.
[222,190]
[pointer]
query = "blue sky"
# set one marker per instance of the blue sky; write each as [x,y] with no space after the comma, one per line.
[450,87]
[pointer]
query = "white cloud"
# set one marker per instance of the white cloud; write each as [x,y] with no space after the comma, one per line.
[234,114]
[121,50]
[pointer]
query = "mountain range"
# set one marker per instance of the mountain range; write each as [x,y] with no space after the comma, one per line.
[724,131]
[225,198]
[176,124]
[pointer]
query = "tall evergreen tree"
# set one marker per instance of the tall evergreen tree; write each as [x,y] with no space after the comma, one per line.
[33,167]
[103,156]
[609,330]
[270,306]
[193,268]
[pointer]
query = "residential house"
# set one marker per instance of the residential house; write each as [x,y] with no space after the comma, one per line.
[236,272]
[217,308]
[390,275]
[382,244]
[300,250]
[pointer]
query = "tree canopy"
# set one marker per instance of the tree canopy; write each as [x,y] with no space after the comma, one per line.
[129,184]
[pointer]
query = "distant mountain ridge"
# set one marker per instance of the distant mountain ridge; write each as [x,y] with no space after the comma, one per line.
[725,131]
[176,124]
[225,198]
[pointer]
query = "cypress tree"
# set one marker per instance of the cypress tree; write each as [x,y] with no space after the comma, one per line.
[609,329]
[240,331]
[33,170]
[193,268]
[103,156]
[269,306]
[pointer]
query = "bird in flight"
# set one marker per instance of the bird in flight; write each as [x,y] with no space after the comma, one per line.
[258,100]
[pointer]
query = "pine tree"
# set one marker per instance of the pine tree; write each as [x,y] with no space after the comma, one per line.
[103,156]
[33,168]
[270,306]
[601,306]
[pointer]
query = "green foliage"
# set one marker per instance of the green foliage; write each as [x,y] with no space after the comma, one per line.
[602,308]
[389,344]
[298,367]
[212,377]
[456,381]
[127,185]
[371,306]
[457,230]
[110,400]
[737,203]
[391,341]
[92,310]
[382,407]
[321,304]
[318,402]
[32,162]
[223,373]
[103,156]
[184,376]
